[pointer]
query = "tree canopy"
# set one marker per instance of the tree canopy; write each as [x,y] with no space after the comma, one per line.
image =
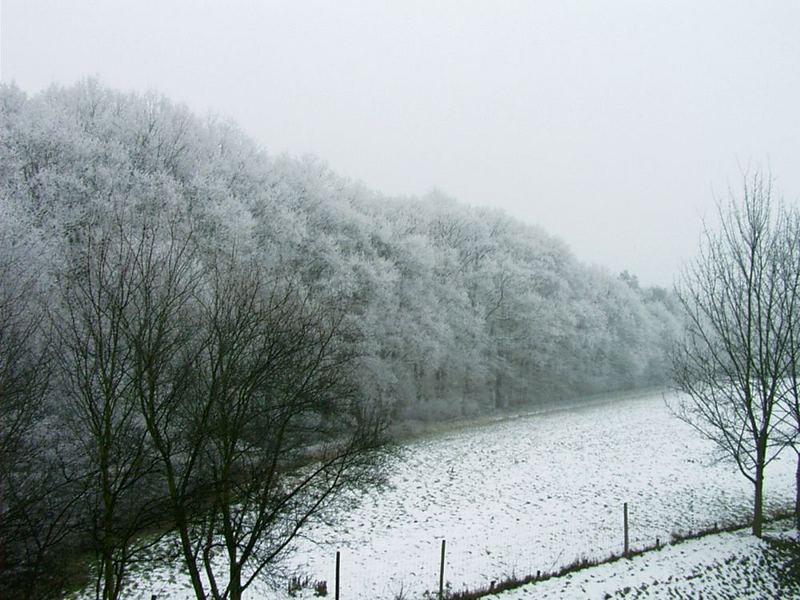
[456,309]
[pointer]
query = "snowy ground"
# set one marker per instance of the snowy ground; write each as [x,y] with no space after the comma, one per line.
[527,494]
[724,566]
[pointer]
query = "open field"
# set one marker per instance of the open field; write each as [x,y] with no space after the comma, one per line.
[521,495]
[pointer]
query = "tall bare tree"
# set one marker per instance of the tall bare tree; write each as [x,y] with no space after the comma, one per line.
[732,362]
[263,430]
[98,376]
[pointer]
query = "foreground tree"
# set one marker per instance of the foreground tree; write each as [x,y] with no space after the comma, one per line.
[206,397]
[733,360]
[234,395]
[261,433]
[98,376]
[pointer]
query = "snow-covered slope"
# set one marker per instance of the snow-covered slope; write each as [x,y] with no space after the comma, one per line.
[724,566]
[528,494]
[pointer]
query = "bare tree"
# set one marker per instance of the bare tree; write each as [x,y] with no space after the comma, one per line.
[261,433]
[732,361]
[97,374]
[164,334]
[206,399]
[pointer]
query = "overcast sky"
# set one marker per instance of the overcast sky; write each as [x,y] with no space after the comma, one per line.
[612,124]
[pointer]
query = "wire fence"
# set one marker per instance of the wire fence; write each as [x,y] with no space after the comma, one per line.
[437,576]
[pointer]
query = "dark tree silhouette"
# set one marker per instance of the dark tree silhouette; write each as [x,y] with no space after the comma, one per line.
[732,362]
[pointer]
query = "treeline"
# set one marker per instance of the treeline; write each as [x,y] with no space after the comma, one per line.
[183,315]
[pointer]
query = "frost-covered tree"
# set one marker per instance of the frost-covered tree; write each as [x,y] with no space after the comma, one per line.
[38,497]
[458,309]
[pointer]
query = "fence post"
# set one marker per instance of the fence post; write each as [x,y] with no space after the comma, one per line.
[337,574]
[625,512]
[441,574]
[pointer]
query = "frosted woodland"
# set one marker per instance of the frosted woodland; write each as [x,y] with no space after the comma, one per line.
[210,356]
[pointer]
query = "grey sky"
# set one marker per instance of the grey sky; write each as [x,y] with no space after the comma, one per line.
[610,123]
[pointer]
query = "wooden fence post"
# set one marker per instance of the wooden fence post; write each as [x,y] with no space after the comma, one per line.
[441,574]
[625,512]
[337,574]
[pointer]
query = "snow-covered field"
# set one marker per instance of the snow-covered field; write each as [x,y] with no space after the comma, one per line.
[725,566]
[525,494]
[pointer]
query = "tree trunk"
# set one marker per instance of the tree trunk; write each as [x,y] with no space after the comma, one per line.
[758,501]
[191,565]
[108,574]
[797,494]
[235,582]
[498,390]
[108,544]
[465,394]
